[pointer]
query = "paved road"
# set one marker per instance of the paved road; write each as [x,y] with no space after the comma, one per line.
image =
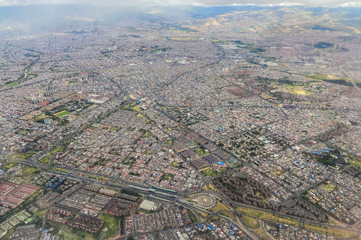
[238,223]
[266,232]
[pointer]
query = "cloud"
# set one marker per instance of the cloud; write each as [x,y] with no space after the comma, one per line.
[313,3]
[350,4]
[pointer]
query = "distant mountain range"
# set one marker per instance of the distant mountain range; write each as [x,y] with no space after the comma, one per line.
[48,18]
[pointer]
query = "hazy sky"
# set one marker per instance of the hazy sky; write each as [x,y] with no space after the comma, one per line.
[324,3]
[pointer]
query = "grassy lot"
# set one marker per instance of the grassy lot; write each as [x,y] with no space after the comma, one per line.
[59,149]
[205,187]
[149,122]
[336,232]
[336,222]
[192,216]
[9,165]
[40,214]
[132,107]
[112,225]
[148,135]
[355,162]
[148,152]
[60,170]
[317,77]
[250,222]
[209,187]
[62,113]
[30,170]
[209,172]
[219,207]
[203,216]
[40,117]
[212,188]
[16,82]
[277,173]
[322,77]
[168,176]
[114,128]
[45,160]
[97,177]
[68,233]
[298,90]
[23,132]
[267,216]
[229,215]
[8,234]
[214,219]
[261,233]
[329,187]
[23,155]
[202,152]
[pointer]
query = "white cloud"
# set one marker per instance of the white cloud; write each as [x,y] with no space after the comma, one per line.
[350,4]
[324,3]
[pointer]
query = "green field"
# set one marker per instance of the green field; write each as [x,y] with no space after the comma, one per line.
[62,113]
[148,152]
[45,160]
[23,155]
[317,77]
[168,176]
[132,107]
[267,216]
[202,152]
[147,135]
[336,232]
[192,216]
[8,234]
[355,162]
[68,233]
[209,172]
[111,225]
[30,170]
[250,222]
[298,90]
[15,83]
[59,149]
[114,128]
[329,187]
[10,165]
[40,214]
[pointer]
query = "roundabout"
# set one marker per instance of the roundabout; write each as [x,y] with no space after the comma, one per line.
[206,201]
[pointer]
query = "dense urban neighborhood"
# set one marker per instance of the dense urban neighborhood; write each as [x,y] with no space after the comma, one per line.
[239,122]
